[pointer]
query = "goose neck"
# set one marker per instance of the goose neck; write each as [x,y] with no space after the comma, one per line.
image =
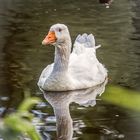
[61,60]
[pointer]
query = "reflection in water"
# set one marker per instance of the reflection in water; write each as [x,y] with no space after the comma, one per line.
[60,102]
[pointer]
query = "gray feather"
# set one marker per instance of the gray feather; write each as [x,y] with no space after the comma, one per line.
[82,39]
[77,38]
[91,39]
[87,40]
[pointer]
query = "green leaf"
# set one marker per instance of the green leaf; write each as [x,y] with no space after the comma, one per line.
[27,104]
[21,125]
[122,97]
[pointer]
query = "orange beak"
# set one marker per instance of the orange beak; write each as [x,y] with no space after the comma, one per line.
[49,39]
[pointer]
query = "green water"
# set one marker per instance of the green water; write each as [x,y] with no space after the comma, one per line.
[23,25]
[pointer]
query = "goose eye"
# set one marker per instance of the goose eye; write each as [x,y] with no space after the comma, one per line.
[59,30]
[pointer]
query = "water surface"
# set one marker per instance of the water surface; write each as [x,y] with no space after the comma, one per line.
[23,25]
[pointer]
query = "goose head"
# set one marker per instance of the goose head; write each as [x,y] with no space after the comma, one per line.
[57,35]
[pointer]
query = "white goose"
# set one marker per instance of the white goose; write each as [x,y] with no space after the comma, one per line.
[71,71]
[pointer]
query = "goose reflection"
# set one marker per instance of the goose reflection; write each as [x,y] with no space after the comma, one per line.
[60,102]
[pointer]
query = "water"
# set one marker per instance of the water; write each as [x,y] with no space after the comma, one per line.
[23,25]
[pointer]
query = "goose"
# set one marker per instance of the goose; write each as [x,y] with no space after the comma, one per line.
[71,70]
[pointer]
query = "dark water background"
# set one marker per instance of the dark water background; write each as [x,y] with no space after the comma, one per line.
[23,25]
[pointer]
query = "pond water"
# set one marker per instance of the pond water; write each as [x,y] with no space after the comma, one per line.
[23,25]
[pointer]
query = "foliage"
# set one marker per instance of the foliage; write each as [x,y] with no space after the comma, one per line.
[18,124]
[122,97]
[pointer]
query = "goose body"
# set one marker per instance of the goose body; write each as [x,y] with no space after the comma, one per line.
[71,71]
